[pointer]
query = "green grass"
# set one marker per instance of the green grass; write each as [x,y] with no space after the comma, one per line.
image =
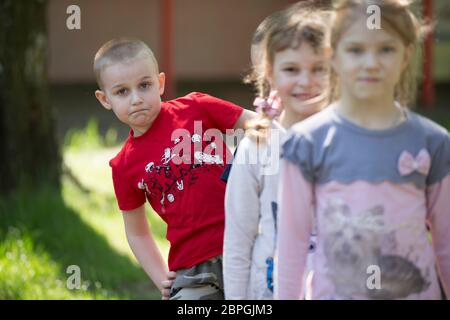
[43,232]
[90,138]
[28,272]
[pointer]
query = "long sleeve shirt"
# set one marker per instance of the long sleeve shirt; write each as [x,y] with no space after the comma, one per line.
[372,194]
[250,216]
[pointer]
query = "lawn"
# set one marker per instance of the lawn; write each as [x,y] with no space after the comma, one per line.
[44,232]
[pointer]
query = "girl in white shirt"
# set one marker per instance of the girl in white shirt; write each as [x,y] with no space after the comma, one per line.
[294,67]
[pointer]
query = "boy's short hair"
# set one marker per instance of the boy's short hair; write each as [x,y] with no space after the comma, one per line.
[120,50]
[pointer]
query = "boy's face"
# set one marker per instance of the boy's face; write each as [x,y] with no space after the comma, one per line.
[132,90]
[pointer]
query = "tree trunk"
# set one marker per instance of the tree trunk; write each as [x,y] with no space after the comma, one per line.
[28,146]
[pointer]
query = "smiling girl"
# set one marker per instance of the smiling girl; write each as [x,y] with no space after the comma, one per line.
[295,69]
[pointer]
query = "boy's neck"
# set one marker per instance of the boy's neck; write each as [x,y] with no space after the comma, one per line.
[378,114]
[137,132]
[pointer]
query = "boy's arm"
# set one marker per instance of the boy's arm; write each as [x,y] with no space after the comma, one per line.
[143,245]
[245,116]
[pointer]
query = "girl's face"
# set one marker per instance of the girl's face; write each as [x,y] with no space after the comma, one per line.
[298,75]
[369,63]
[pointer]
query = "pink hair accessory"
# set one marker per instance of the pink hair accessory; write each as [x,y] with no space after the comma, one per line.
[271,106]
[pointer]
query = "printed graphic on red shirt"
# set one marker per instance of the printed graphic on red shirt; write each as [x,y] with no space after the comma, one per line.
[164,181]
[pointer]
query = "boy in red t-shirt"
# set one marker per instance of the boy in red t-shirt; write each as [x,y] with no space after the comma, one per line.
[169,161]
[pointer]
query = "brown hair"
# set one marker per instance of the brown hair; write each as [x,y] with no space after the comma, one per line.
[273,21]
[305,25]
[257,51]
[120,50]
[397,16]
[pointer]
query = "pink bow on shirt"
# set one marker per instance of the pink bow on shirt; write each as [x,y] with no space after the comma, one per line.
[270,107]
[407,164]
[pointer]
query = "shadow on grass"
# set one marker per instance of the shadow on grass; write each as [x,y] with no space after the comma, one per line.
[59,231]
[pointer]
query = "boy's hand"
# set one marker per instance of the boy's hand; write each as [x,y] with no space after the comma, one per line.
[167,284]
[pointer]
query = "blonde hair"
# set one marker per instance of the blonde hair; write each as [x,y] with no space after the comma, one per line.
[305,25]
[397,16]
[120,50]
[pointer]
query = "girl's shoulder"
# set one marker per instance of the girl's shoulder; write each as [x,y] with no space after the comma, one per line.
[436,139]
[318,121]
[314,128]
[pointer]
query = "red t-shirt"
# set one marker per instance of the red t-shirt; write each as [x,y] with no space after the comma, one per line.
[188,195]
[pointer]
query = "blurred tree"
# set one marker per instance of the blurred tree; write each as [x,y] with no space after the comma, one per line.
[28,147]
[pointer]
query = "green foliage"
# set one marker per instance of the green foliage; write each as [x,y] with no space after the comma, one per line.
[44,231]
[28,272]
[90,137]
[41,236]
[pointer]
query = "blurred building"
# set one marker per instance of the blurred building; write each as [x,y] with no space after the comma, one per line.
[211,38]
[210,48]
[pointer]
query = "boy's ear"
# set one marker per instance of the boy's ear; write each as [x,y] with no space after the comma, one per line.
[101,96]
[162,82]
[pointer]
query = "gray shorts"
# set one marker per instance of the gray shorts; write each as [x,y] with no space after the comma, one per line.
[203,281]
